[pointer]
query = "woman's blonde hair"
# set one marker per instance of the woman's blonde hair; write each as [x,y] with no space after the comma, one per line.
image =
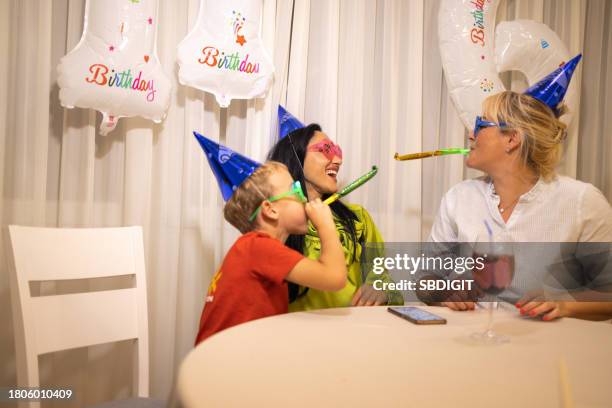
[249,195]
[541,131]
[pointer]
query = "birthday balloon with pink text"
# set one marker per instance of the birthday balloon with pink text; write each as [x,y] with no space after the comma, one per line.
[114,68]
[475,50]
[223,54]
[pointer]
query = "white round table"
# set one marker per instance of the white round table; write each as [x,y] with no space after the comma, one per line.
[367,357]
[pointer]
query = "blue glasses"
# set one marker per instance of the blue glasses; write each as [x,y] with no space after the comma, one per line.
[480,124]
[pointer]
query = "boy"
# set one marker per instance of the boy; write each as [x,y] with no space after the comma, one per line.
[266,205]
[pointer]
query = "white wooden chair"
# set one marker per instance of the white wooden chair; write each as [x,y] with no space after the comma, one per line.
[45,324]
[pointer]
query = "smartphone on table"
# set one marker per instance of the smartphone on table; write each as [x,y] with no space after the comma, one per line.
[416,315]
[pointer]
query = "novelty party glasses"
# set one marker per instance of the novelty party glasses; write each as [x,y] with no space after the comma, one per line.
[328,148]
[480,124]
[296,190]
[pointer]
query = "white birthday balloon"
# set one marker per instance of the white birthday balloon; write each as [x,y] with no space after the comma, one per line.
[535,50]
[223,54]
[474,52]
[114,68]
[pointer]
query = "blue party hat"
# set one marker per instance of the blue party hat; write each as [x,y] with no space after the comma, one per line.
[287,123]
[229,167]
[553,87]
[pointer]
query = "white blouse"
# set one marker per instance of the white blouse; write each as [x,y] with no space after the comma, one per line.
[562,210]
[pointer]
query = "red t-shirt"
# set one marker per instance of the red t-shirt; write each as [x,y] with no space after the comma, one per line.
[249,285]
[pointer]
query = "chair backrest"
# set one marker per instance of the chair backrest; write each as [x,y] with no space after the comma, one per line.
[44,324]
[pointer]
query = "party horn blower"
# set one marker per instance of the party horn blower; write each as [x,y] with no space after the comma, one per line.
[441,152]
[357,183]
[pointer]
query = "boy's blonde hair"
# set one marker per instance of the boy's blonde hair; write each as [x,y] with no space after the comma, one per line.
[541,131]
[249,195]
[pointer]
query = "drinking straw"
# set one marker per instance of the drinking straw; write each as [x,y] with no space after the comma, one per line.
[566,390]
[489,230]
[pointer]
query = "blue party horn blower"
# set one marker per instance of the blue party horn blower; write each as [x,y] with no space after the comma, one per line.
[287,123]
[551,90]
[230,168]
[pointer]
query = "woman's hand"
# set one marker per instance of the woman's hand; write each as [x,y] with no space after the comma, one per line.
[460,306]
[366,295]
[462,300]
[534,305]
[458,300]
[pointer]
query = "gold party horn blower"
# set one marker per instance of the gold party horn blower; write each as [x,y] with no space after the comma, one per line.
[441,152]
[355,184]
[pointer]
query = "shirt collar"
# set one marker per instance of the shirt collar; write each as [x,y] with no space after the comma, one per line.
[530,195]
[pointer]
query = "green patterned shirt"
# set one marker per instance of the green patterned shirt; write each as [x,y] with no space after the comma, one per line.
[366,232]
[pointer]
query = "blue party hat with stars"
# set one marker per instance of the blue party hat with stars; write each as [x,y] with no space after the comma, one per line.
[287,123]
[230,168]
[551,90]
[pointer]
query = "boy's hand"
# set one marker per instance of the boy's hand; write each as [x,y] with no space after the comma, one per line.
[320,214]
[327,273]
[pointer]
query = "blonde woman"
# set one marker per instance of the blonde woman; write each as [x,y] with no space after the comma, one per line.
[518,143]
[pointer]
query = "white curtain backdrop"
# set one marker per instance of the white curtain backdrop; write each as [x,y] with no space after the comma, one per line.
[368,71]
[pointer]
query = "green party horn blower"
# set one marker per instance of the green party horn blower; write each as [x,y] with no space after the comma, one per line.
[441,152]
[355,184]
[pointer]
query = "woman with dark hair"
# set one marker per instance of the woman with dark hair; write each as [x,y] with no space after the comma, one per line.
[314,160]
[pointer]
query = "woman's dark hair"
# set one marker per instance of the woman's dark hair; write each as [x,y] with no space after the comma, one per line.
[291,151]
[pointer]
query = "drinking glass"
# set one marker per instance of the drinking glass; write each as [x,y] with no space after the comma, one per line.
[493,277]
